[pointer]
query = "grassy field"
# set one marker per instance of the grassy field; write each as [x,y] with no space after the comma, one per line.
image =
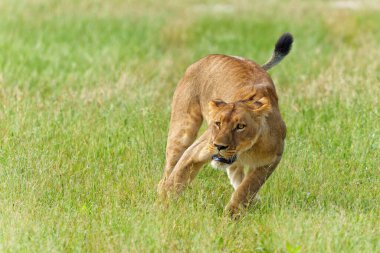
[85,93]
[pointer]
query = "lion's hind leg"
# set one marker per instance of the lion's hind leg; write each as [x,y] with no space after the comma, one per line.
[188,166]
[184,125]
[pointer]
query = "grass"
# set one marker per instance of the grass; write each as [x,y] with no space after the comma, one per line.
[85,92]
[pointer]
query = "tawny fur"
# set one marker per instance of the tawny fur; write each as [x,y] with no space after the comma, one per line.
[228,93]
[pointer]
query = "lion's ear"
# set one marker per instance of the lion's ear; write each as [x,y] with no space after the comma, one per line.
[260,106]
[216,103]
[248,95]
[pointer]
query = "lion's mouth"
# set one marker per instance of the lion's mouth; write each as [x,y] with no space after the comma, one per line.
[221,159]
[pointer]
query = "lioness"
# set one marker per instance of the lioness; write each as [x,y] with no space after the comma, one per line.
[238,100]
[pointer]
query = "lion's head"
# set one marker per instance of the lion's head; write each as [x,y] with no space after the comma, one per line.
[235,127]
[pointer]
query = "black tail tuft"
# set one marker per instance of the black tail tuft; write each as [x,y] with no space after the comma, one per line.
[284,44]
[282,48]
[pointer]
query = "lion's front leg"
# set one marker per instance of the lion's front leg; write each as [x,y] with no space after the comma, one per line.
[249,187]
[188,166]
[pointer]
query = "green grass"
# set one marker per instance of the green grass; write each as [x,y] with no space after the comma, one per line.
[85,93]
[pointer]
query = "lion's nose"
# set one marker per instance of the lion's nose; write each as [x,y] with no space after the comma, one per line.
[220,147]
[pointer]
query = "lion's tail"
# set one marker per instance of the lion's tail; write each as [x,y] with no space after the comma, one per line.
[282,48]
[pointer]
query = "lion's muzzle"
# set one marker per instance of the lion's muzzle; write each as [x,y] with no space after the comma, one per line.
[221,159]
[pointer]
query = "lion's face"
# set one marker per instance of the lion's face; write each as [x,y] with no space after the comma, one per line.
[235,127]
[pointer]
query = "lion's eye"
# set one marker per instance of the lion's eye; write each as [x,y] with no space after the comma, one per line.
[240,126]
[217,123]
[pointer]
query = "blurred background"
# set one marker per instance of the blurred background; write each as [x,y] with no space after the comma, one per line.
[85,94]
